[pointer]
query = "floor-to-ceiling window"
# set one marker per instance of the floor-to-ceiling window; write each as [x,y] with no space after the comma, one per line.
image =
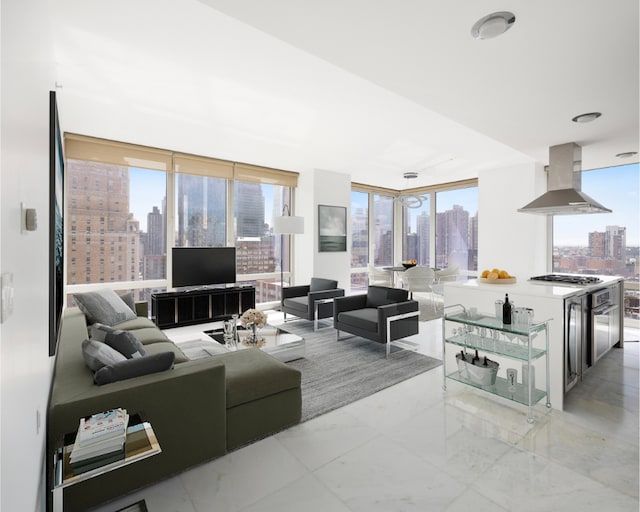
[441,230]
[605,243]
[359,239]
[128,205]
[372,232]
[457,229]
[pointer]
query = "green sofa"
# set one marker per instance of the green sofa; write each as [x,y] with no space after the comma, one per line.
[199,409]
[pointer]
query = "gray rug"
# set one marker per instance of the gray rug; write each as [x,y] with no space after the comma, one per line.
[336,373]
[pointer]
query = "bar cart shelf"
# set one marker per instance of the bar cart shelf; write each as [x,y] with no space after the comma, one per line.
[485,334]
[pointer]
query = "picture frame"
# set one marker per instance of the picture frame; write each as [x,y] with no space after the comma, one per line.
[56,224]
[332,228]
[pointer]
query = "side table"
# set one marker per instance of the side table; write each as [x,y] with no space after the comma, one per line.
[141,443]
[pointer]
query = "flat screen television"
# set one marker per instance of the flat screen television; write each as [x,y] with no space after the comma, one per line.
[203,266]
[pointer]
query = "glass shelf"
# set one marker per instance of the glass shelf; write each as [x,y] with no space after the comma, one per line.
[494,346]
[501,388]
[491,322]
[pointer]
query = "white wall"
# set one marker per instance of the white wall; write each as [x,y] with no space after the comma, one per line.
[25,366]
[317,187]
[508,239]
[327,188]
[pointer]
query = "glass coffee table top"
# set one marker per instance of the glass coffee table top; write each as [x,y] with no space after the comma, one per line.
[277,342]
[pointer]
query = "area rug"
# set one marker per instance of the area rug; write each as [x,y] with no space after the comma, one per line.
[336,373]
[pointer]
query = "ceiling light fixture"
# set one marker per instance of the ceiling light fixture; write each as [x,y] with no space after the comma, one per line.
[586,118]
[411,200]
[493,25]
[627,154]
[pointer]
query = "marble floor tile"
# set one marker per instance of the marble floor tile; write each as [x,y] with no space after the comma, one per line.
[243,477]
[472,501]
[383,476]
[608,460]
[525,482]
[306,494]
[450,439]
[323,439]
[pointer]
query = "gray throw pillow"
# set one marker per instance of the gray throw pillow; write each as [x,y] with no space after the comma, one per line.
[97,354]
[130,368]
[104,306]
[123,341]
[129,300]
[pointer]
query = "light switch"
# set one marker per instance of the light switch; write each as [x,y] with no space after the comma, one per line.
[7,295]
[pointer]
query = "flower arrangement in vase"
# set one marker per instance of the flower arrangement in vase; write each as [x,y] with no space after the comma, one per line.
[252,320]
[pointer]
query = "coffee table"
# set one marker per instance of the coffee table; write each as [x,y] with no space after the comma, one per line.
[278,343]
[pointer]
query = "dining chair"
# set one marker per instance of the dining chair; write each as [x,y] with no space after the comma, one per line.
[442,276]
[420,280]
[380,277]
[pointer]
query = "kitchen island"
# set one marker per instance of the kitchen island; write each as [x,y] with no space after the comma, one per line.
[549,302]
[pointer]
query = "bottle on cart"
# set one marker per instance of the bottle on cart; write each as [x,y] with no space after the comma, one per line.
[506,310]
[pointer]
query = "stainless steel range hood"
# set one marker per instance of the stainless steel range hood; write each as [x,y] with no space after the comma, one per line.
[564,183]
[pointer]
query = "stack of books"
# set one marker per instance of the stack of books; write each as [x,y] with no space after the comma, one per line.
[100,440]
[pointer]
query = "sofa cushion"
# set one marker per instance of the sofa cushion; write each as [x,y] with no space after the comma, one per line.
[366,319]
[137,367]
[297,303]
[149,335]
[318,284]
[123,341]
[139,322]
[167,346]
[252,374]
[97,354]
[103,306]
[381,295]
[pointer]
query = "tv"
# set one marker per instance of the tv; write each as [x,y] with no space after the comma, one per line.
[203,266]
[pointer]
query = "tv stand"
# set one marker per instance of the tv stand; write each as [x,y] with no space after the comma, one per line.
[201,305]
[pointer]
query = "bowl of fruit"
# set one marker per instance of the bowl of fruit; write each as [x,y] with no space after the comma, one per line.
[409,263]
[496,276]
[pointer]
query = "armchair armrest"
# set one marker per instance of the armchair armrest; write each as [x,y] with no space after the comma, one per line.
[325,294]
[396,308]
[349,303]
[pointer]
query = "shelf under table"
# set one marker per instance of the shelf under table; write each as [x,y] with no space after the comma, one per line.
[500,388]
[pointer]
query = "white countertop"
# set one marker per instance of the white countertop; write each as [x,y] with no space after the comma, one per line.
[535,288]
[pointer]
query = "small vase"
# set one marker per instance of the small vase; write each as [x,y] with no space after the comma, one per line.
[252,336]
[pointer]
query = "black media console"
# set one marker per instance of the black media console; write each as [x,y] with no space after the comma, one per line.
[175,309]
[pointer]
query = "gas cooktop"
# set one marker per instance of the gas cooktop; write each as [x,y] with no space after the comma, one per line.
[567,279]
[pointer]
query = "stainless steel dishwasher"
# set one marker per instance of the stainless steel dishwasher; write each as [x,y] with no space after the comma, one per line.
[604,325]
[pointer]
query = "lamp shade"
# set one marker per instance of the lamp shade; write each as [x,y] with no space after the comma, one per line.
[288,225]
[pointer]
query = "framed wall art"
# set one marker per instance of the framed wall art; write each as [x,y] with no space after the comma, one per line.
[332,228]
[56,224]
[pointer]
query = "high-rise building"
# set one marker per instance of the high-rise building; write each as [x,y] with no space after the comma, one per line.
[201,211]
[104,242]
[616,242]
[597,244]
[249,207]
[423,230]
[452,237]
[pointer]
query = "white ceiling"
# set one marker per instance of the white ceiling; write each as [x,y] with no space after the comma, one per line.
[372,88]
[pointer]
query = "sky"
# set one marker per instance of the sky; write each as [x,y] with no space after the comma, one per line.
[148,190]
[623,199]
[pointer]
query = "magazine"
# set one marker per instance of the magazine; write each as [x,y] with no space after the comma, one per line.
[103,425]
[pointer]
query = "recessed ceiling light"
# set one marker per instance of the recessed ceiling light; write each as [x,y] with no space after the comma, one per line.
[627,154]
[410,175]
[493,25]
[586,118]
